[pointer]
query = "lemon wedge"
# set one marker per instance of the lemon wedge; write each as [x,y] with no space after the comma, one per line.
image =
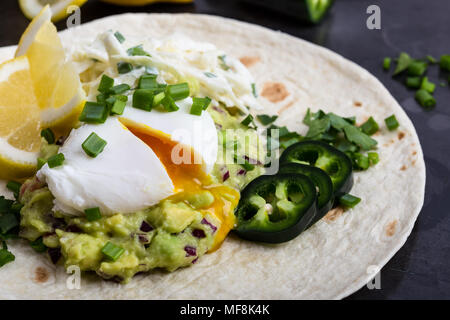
[20,121]
[38,89]
[31,8]
[56,83]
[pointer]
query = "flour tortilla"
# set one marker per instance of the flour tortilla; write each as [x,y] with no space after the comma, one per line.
[335,257]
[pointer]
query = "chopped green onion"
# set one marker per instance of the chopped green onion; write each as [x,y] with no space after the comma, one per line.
[112,251]
[386,63]
[158,99]
[143,99]
[425,99]
[266,119]
[101,98]
[431,59]
[373,158]
[403,62]
[5,257]
[178,91]
[210,75]
[124,67]
[138,51]
[370,126]
[118,106]
[349,201]
[94,113]
[93,214]
[444,63]
[223,63]
[93,145]
[119,89]
[255,94]
[38,245]
[417,68]
[169,104]
[391,122]
[361,161]
[56,160]
[105,84]
[246,122]
[48,135]
[148,81]
[199,104]
[413,82]
[359,138]
[427,85]
[119,37]
[40,163]
[8,221]
[14,186]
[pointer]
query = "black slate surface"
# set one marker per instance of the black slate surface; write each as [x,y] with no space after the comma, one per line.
[421,269]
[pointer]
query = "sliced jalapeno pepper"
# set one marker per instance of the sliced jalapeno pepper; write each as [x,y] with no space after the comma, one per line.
[318,154]
[276,208]
[321,180]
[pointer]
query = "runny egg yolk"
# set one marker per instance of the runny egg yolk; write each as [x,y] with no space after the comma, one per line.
[190,179]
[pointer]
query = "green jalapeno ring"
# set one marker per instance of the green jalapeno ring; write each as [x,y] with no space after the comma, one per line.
[331,160]
[321,180]
[276,208]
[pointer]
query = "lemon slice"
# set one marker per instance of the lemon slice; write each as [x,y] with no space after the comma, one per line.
[31,8]
[20,122]
[56,83]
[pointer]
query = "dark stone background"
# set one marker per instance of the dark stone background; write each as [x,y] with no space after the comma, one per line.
[421,269]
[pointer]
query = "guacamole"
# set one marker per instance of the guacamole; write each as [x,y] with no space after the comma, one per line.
[172,234]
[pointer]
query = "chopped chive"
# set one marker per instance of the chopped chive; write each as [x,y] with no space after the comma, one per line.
[119,37]
[266,119]
[56,160]
[425,99]
[38,245]
[110,101]
[246,122]
[6,257]
[143,99]
[112,251]
[48,135]
[370,126]
[40,163]
[413,82]
[101,98]
[223,63]
[93,214]
[349,201]
[138,51]
[118,106]
[94,113]
[199,104]
[105,84]
[431,59]
[427,85]
[148,81]
[391,123]
[361,161]
[169,104]
[124,67]
[158,99]
[210,75]
[386,63]
[444,62]
[255,94]
[93,145]
[14,186]
[403,61]
[373,158]
[178,91]
[417,68]
[119,89]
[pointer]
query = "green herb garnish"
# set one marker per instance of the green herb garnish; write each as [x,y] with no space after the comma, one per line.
[124,67]
[349,201]
[403,62]
[370,126]
[56,160]
[119,37]
[94,113]
[266,119]
[138,51]
[48,135]
[112,252]
[386,63]
[93,214]
[38,245]
[93,145]
[391,123]
[105,84]
[425,99]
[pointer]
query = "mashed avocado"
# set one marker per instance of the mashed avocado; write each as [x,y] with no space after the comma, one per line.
[170,235]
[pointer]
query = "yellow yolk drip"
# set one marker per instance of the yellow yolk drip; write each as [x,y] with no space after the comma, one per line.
[190,179]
